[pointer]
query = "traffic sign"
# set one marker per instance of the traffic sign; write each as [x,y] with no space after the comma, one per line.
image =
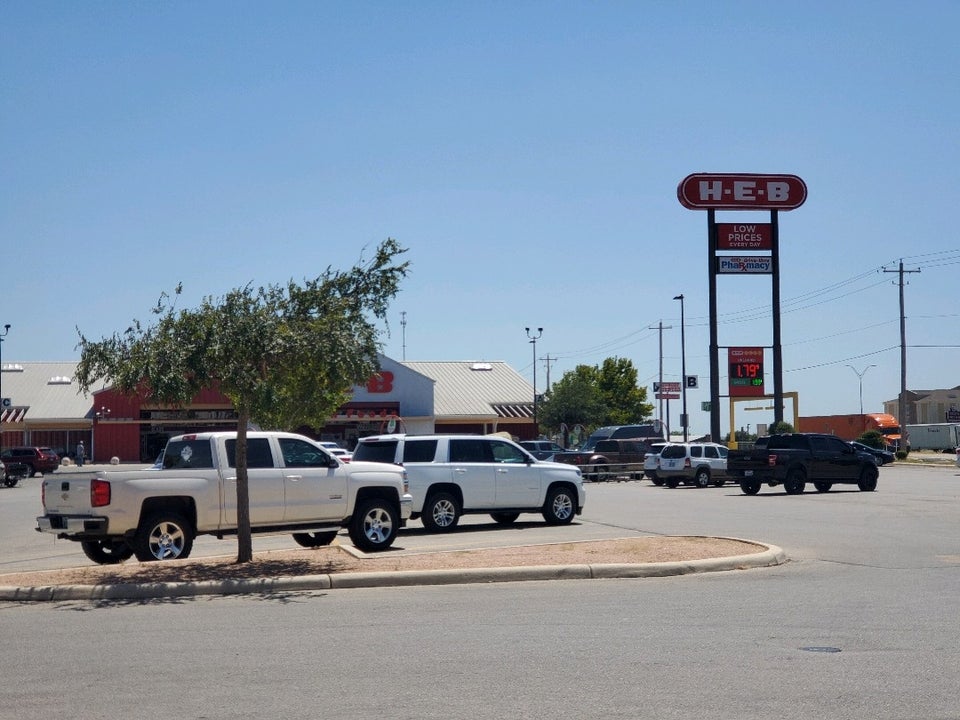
[691,381]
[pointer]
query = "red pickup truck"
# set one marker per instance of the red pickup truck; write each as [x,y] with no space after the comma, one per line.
[610,460]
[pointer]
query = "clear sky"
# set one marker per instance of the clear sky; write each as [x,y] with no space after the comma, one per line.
[527,154]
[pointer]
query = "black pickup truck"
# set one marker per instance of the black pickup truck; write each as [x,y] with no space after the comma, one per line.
[794,459]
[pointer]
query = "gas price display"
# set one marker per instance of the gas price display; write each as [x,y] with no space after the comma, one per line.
[746,371]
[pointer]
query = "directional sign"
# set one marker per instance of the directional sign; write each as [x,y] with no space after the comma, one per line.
[705,191]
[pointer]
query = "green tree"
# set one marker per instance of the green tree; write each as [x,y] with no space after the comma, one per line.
[625,400]
[780,427]
[284,355]
[573,400]
[592,396]
[874,439]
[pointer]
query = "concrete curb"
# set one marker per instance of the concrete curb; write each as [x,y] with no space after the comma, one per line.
[773,555]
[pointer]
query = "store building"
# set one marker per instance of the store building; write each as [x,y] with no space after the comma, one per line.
[414,397]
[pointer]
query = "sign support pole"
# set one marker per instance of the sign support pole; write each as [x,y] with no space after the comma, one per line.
[775,301]
[714,341]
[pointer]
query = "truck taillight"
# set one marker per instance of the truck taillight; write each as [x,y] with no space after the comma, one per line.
[771,459]
[99,493]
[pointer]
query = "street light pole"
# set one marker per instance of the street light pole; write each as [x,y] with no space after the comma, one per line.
[6,329]
[533,341]
[860,375]
[683,368]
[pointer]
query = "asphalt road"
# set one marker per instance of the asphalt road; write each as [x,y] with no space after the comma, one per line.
[862,623]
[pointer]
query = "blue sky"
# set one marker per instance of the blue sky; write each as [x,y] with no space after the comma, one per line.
[527,154]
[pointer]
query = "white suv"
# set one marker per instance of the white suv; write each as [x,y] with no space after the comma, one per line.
[651,463]
[451,475]
[693,463]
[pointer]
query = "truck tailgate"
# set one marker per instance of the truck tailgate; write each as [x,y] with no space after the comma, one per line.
[67,494]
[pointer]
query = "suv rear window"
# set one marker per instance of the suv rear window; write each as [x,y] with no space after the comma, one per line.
[418,451]
[673,451]
[384,451]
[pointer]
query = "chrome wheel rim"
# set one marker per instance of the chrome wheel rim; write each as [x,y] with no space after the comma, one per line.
[166,541]
[378,525]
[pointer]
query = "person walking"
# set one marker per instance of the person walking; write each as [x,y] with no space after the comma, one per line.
[81,452]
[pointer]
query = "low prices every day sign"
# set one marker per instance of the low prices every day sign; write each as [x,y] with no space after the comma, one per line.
[746,371]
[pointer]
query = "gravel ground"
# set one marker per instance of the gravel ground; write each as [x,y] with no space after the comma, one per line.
[337,559]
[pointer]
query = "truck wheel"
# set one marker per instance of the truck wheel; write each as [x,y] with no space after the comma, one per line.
[315,539]
[702,478]
[719,481]
[11,481]
[560,507]
[505,518]
[374,525]
[795,483]
[868,479]
[672,482]
[600,473]
[441,513]
[823,486]
[163,536]
[750,487]
[106,552]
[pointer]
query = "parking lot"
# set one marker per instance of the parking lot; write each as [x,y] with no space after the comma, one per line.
[918,502]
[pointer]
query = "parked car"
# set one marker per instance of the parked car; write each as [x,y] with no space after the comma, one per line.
[12,473]
[651,463]
[541,449]
[36,459]
[334,449]
[696,464]
[882,456]
[451,475]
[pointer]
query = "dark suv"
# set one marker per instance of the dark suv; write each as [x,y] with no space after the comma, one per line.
[36,459]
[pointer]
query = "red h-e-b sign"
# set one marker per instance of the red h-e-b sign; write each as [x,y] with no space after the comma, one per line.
[705,191]
[746,371]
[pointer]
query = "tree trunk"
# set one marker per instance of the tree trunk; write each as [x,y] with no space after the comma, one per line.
[244,539]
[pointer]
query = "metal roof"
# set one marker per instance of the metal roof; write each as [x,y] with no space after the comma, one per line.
[465,389]
[43,391]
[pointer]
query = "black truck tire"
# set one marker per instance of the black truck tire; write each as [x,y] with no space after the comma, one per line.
[868,478]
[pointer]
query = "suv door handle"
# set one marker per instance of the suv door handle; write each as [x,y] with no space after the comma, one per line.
[294,478]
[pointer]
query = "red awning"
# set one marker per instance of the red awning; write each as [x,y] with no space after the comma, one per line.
[13,415]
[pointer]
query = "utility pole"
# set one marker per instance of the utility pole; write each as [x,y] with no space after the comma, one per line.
[661,327]
[684,418]
[547,360]
[902,401]
[533,341]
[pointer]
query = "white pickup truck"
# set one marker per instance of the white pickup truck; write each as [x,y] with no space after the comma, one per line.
[294,486]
